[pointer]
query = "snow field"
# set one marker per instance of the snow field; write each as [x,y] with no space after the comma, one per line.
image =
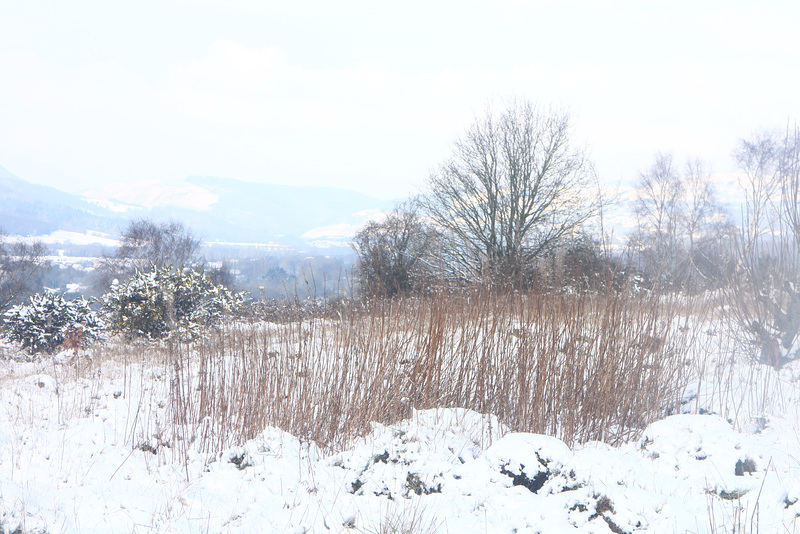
[93,446]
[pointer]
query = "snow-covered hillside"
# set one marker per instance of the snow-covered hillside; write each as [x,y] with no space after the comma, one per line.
[216,209]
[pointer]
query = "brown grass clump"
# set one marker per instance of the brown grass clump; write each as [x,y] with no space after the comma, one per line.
[578,366]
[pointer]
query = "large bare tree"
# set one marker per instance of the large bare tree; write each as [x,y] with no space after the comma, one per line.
[515,185]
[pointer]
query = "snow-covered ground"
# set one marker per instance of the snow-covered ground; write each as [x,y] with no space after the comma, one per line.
[81,450]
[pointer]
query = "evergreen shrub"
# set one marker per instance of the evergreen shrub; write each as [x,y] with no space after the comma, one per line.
[43,324]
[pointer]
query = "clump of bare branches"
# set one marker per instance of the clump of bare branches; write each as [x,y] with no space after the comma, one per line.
[395,255]
[766,287]
[148,245]
[581,262]
[682,239]
[19,263]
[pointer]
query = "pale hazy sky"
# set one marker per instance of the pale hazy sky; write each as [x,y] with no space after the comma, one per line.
[369,95]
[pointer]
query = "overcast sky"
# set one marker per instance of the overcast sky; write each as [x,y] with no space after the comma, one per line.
[370,95]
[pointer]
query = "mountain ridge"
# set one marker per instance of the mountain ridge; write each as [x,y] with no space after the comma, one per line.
[216,209]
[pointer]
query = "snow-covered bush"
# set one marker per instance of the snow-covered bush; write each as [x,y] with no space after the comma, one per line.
[48,320]
[153,304]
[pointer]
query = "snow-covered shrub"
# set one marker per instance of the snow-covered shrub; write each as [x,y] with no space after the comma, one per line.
[48,319]
[153,304]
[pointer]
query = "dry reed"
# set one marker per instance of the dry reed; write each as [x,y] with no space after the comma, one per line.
[578,366]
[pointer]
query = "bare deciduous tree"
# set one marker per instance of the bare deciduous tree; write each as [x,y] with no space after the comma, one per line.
[19,262]
[760,159]
[679,223]
[767,285]
[147,244]
[514,187]
[394,255]
[658,209]
[706,227]
[162,244]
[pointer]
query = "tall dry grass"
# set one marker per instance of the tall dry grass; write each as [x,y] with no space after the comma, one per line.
[580,367]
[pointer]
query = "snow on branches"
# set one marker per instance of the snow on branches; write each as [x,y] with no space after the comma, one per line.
[48,320]
[156,303]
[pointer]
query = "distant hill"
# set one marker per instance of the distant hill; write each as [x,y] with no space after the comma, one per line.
[31,209]
[279,211]
[217,209]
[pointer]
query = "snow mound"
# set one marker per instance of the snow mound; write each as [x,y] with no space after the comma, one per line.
[76,456]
